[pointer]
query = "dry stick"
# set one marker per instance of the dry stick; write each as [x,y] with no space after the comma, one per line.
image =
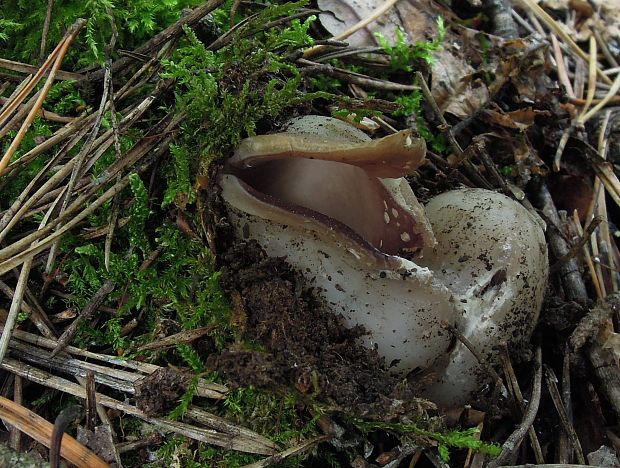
[513,385]
[29,69]
[21,203]
[551,380]
[603,45]
[29,85]
[577,246]
[15,438]
[13,95]
[472,349]
[610,94]
[234,441]
[16,302]
[355,78]
[445,127]
[591,75]
[378,13]
[137,152]
[606,370]
[48,84]
[15,256]
[551,23]
[88,311]
[603,145]
[572,281]
[46,28]
[183,337]
[514,441]
[587,257]
[18,117]
[79,162]
[116,379]
[563,447]
[222,425]
[62,422]
[296,450]
[41,431]
[154,438]
[40,324]
[65,132]
[579,79]
[349,51]
[205,389]
[91,401]
[578,122]
[561,67]
[47,115]
[598,206]
[553,465]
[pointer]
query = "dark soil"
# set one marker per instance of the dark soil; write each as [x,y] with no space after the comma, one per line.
[305,346]
[159,392]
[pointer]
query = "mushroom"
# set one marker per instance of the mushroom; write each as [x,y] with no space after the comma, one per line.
[336,205]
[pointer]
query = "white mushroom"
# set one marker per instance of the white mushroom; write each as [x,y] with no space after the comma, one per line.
[334,203]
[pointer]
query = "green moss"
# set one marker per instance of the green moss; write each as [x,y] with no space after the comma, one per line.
[459,439]
[225,93]
[136,21]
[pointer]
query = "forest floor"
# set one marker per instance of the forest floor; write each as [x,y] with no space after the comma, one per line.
[138,320]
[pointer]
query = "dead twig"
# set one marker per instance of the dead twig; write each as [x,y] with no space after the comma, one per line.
[515,389]
[567,426]
[574,287]
[606,370]
[26,68]
[514,441]
[59,56]
[296,450]
[15,436]
[62,423]
[235,441]
[577,246]
[91,401]
[41,431]
[186,336]
[472,349]
[46,28]
[88,311]
[378,13]
[347,76]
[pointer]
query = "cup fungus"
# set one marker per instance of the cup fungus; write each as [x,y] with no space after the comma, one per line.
[336,205]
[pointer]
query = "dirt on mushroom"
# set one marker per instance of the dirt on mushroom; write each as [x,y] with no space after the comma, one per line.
[304,344]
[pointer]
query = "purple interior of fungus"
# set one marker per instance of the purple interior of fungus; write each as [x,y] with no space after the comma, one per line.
[345,193]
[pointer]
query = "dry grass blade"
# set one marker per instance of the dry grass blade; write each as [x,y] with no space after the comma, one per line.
[610,94]
[41,430]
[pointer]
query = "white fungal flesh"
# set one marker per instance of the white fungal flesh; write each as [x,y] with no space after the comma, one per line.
[486,274]
[402,309]
[491,253]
